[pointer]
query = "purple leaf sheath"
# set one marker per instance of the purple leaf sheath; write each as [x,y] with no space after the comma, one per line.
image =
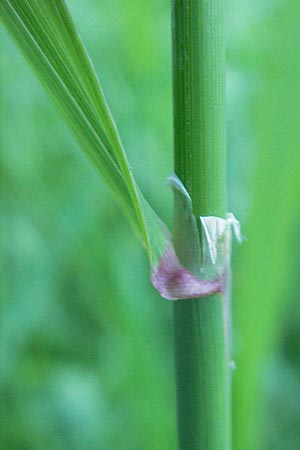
[174,282]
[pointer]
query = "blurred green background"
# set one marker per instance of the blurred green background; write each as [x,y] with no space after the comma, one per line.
[86,343]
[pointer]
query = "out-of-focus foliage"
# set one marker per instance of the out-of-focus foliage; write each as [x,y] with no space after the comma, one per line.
[265,63]
[86,343]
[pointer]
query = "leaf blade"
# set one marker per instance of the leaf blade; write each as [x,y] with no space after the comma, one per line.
[48,38]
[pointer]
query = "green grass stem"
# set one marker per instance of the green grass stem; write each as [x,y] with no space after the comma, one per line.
[202,379]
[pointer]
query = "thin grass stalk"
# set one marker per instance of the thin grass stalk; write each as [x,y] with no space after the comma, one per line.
[202,375]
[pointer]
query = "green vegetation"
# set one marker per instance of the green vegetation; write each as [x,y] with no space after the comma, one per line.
[86,359]
[45,33]
[202,370]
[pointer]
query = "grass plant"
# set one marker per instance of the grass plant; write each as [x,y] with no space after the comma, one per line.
[45,33]
[203,401]
[84,337]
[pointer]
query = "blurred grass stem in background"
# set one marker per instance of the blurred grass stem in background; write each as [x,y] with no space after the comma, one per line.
[203,400]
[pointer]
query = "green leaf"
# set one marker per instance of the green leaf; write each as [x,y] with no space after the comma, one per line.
[46,34]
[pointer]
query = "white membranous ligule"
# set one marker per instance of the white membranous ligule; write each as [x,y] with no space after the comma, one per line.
[216,243]
[216,250]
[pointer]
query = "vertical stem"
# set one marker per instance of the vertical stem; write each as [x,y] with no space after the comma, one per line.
[202,376]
